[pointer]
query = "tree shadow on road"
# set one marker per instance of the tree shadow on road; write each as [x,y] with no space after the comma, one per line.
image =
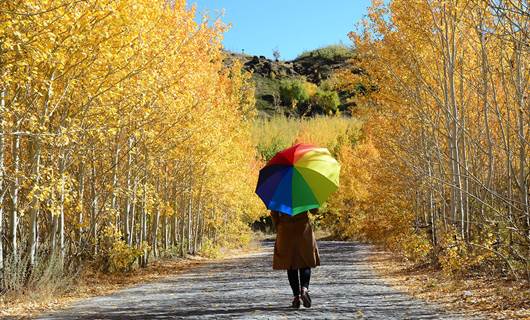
[138,314]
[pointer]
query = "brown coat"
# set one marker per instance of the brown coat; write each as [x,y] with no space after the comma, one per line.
[295,245]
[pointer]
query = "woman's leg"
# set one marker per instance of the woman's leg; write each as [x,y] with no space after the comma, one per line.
[294,281]
[305,276]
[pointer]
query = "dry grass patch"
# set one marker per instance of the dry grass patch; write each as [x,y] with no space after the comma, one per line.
[491,298]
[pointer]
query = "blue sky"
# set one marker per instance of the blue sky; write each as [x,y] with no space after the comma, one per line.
[292,26]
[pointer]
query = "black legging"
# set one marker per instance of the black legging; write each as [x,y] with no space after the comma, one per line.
[305,276]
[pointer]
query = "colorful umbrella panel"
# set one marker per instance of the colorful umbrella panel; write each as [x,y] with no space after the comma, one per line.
[298,179]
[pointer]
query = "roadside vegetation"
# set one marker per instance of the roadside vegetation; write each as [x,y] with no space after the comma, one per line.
[331,52]
[118,145]
[442,174]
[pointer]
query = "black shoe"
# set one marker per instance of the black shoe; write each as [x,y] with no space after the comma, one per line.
[296,302]
[306,299]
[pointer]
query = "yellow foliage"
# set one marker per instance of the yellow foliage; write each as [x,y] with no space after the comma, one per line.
[115,254]
[415,247]
[446,118]
[121,119]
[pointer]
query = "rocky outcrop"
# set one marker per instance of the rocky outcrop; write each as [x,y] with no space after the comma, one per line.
[265,67]
[314,69]
[268,73]
[317,69]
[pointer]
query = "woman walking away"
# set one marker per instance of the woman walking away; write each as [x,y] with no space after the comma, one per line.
[296,251]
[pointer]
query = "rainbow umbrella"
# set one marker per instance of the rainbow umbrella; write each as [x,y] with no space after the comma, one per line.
[298,179]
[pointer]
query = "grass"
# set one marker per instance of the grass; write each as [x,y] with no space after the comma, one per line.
[332,53]
[279,132]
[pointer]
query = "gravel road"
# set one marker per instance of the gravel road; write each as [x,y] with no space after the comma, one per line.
[344,287]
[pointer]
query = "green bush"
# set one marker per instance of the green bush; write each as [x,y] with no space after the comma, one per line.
[294,92]
[332,52]
[327,101]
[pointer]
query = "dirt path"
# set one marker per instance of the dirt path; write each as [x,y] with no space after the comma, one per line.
[344,287]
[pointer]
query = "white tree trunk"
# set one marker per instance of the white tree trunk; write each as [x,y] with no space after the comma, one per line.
[129,203]
[143,225]
[15,188]
[154,232]
[62,160]
[114,200]
[94,210]
[35,206]
[2,178]
[190,222]
[182,224]
[81,192]
[132,213]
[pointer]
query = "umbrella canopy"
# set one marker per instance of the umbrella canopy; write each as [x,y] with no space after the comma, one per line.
[298,179]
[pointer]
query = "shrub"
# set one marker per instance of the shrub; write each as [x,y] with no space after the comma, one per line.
[327,101]
[329,84]
[332,52]
[115,254]
[294,92]
[457,257]
[210,249]
[415,247]
[454,253]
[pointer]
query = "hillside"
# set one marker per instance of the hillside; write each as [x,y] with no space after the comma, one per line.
[311,70]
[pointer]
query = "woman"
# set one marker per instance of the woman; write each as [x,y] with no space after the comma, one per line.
[296,251]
